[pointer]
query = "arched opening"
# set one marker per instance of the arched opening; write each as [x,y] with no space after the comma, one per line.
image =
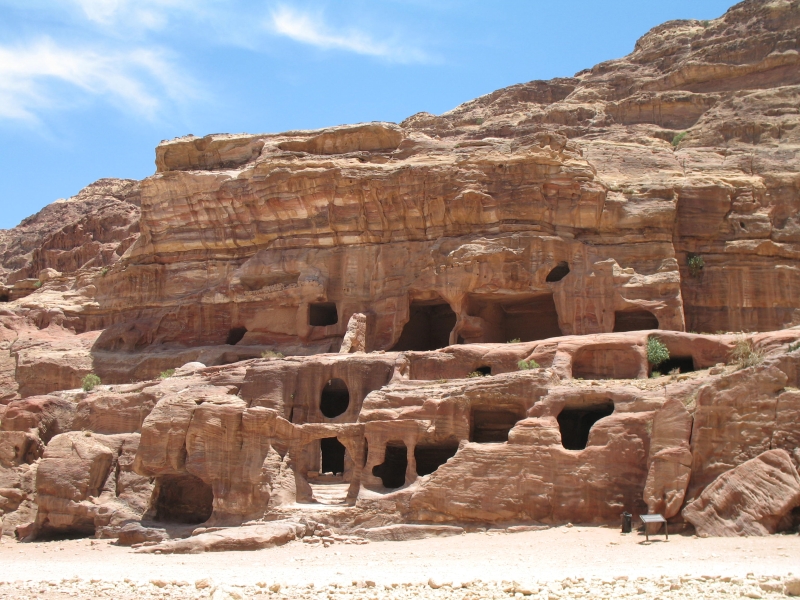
[491,424]
[522,317]
[322,314]
[428,328]
[683,364]
[332,451]
[335,398]
[558,272]
[183,499]
[430,457]
[392,471]
[235,335]
[634,320]
[484,370]
[576,423]
[4,296]
[606,363]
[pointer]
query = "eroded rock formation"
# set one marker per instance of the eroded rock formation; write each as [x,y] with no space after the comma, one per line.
[439,322]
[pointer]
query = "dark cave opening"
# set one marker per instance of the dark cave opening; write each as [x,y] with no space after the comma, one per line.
[558,272]
[490,425]
[184,499]
[4,296]
[322,314]
[525,319]
[334,399]
[428,327]
[235,335]
[430,457]
[392,471]
[634,320]
[485,371]
[333,452]
[575,423]
[684,364]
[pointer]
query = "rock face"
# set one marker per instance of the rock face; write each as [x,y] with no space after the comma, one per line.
[750,499]
[442,322]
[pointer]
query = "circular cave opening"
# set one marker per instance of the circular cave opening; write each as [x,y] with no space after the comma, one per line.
[335,398]
[558,272]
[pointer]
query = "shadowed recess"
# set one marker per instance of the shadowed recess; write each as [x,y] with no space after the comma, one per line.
[183,499]
[335,398]
[634,320]
[322,314]
[431,457]
[428,328]
[235,335]
[575,424]
[558,272]
[491,425]
[392,471]
[332,455]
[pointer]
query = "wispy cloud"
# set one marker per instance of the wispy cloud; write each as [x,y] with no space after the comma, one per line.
[309,28]
[33,76]
[139,14]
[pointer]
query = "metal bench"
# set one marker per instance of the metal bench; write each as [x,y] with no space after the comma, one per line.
[653,519]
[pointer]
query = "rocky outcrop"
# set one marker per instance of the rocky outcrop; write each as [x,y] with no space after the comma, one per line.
[750,499]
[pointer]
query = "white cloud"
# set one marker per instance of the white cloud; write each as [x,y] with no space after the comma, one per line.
[33,76]
[137,14]
[310,29]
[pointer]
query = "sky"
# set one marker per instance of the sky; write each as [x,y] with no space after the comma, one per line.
[88,88]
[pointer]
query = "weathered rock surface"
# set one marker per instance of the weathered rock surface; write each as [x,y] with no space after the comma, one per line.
[464,303]
[252,537]
[750,499]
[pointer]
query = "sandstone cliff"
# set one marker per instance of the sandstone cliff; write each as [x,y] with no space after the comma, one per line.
[464,302]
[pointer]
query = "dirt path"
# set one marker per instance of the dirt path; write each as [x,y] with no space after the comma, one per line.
[539,560]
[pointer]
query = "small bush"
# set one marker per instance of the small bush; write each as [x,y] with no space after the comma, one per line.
[696,264]
[514,341]
[745,355]
[657,352]
[705,24]
[527,365]
[479,121]
[793,347]
[475,374]
[271,354]
[655,375]
[167,374]
[678,139]
[441,381]
[37,285]
[103,271]
[90,382]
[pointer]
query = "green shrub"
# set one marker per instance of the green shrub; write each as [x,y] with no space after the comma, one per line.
[696,264]
[475,374]
[167,374]
[103,271]
[657,352]
[655,374]
[745,355]
[37,285]
[90,382]
[527,365]
[271,354]
[678,139]
[705,23]
[514,341]
[793,347]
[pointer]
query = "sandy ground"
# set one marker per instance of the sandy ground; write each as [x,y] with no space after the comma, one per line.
[539,560]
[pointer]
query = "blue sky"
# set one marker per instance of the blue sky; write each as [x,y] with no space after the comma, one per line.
[89,87]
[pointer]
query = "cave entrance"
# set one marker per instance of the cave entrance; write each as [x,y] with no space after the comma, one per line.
[392,471]
[332,451]
[431,457]
[490,425]
[4,296]
[684,364]
[322,314]
[558,272]
[634,320]
[527,318]
[184,499]
[485,371]
[428,328]
[575,423]
[334,399]
[235,335]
